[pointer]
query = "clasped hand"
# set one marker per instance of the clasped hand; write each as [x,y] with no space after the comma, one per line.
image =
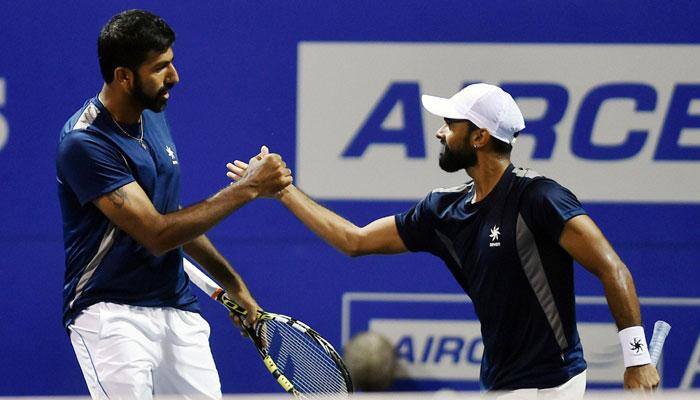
[267,173]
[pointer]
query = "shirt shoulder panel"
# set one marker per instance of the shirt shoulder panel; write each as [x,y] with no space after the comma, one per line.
[546,206]
[90,165]
[417,226]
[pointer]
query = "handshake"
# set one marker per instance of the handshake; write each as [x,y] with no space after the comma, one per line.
[266,173]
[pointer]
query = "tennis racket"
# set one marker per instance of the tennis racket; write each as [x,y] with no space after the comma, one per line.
[301,361]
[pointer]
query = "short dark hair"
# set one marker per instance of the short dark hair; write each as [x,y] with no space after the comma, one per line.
[497,145]
[128,37]
[500,147]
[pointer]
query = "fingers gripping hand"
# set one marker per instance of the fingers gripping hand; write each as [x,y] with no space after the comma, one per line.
[264,151]
[267,172]
[250,319]
[644,377]
[236,170]
[238,323]
[239,168]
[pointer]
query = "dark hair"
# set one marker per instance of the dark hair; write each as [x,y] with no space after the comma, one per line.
[497,145]
[500,147]
[128,37]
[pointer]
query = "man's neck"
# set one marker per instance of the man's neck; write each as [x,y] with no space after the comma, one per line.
[120,105]
[486,174]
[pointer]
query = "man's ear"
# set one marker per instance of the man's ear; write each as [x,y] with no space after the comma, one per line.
[480,137]
[124,77]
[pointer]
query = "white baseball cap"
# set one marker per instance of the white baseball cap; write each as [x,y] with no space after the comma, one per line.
[487,106]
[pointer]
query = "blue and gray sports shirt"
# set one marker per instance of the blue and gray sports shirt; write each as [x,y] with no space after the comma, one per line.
[504,251]
[104,263]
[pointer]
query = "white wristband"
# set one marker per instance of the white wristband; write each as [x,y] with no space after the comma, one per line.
[634,346]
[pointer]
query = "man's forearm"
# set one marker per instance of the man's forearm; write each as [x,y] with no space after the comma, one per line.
[334,229]
[624,306]
[582,238]
[202,250]
[182,226]
[130,208]
[622,297]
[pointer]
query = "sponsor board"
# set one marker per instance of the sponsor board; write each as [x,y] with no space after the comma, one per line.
[452,350]
[434,349]
[438,341]
[611,122]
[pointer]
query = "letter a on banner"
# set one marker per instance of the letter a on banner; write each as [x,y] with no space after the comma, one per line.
[405,94]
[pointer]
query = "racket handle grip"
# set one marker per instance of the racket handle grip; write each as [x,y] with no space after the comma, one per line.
[200,279]
[661,329]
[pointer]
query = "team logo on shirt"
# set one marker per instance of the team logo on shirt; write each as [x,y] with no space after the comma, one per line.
[495,233]
[171,153]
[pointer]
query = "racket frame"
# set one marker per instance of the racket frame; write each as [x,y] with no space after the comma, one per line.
[210,287]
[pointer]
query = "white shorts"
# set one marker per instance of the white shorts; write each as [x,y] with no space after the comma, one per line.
[573,389]
[136,352]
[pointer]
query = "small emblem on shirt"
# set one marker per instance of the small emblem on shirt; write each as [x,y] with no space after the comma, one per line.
[171,153]
[495,233]
[637,346]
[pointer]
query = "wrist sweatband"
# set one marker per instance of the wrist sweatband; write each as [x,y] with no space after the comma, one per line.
[634,346]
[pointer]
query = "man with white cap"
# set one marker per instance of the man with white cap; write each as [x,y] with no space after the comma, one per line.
[509,237]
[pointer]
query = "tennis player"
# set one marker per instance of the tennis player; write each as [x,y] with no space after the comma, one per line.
[132,320]
[509,237]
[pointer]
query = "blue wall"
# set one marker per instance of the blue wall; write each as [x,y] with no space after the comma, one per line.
[238,67]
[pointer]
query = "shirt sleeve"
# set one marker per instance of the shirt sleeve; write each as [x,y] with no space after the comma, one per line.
[546,207]
[416,227]
[90,166]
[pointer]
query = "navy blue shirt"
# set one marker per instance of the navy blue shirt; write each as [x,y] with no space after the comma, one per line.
[103,263]
[504,252]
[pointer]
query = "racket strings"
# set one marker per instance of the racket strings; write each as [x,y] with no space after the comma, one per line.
[303,361]
[308,381]
[312,368]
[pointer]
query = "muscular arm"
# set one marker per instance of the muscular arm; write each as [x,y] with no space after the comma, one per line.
[585,242]
[202,250]
[379,237]
[131,210]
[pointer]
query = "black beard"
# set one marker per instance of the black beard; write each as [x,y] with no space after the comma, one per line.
[155,103]
[451,161]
